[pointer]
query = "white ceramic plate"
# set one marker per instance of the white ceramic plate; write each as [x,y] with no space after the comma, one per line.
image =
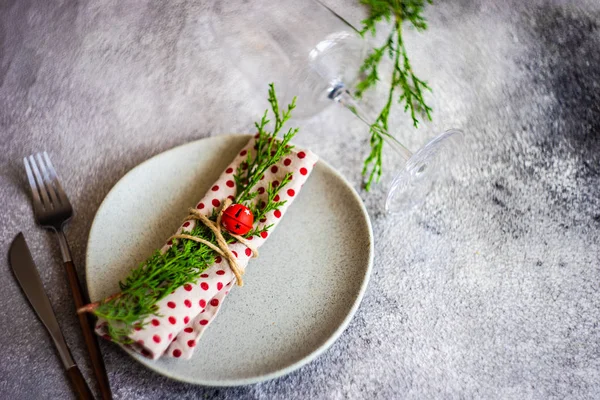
[299,295]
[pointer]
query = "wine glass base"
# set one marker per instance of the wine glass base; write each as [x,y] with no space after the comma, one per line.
[412,184]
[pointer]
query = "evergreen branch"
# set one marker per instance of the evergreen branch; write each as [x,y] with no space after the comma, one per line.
[260,210]
[269,149]
[403,78]
[154,279]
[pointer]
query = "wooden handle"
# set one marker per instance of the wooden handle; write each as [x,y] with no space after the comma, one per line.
[91,340]
[82,389]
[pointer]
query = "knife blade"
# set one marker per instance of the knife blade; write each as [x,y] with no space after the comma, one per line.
[28,278]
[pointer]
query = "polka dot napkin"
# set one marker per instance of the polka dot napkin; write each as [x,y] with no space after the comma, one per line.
[189,310]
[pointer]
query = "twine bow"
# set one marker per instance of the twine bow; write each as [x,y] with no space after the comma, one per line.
[221,246]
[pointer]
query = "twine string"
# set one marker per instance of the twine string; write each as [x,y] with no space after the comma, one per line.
[221,247]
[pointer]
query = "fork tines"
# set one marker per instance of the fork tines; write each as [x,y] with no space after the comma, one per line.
[45,187]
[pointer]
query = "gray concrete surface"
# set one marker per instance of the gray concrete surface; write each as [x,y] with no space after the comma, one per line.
[488,290]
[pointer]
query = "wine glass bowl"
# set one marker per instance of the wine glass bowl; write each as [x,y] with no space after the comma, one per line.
[300,46]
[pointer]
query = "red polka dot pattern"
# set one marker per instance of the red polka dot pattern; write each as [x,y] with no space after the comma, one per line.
[184,314]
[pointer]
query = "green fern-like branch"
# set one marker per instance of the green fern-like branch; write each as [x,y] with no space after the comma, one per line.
[411,88]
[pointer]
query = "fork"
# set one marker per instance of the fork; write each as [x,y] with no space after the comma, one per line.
[52,210]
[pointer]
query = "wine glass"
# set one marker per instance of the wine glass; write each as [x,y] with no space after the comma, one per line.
[310,52]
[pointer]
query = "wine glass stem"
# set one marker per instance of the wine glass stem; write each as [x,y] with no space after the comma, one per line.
[341,95]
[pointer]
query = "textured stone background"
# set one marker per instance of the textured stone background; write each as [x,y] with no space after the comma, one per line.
[488,290]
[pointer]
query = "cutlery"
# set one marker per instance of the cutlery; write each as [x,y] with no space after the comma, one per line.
[52,210]
[27,275]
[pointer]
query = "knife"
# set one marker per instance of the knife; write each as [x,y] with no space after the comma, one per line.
[28,277]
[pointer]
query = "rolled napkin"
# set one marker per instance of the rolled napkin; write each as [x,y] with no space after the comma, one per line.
[183,315]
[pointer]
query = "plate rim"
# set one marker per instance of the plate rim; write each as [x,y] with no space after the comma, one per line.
[293,366]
